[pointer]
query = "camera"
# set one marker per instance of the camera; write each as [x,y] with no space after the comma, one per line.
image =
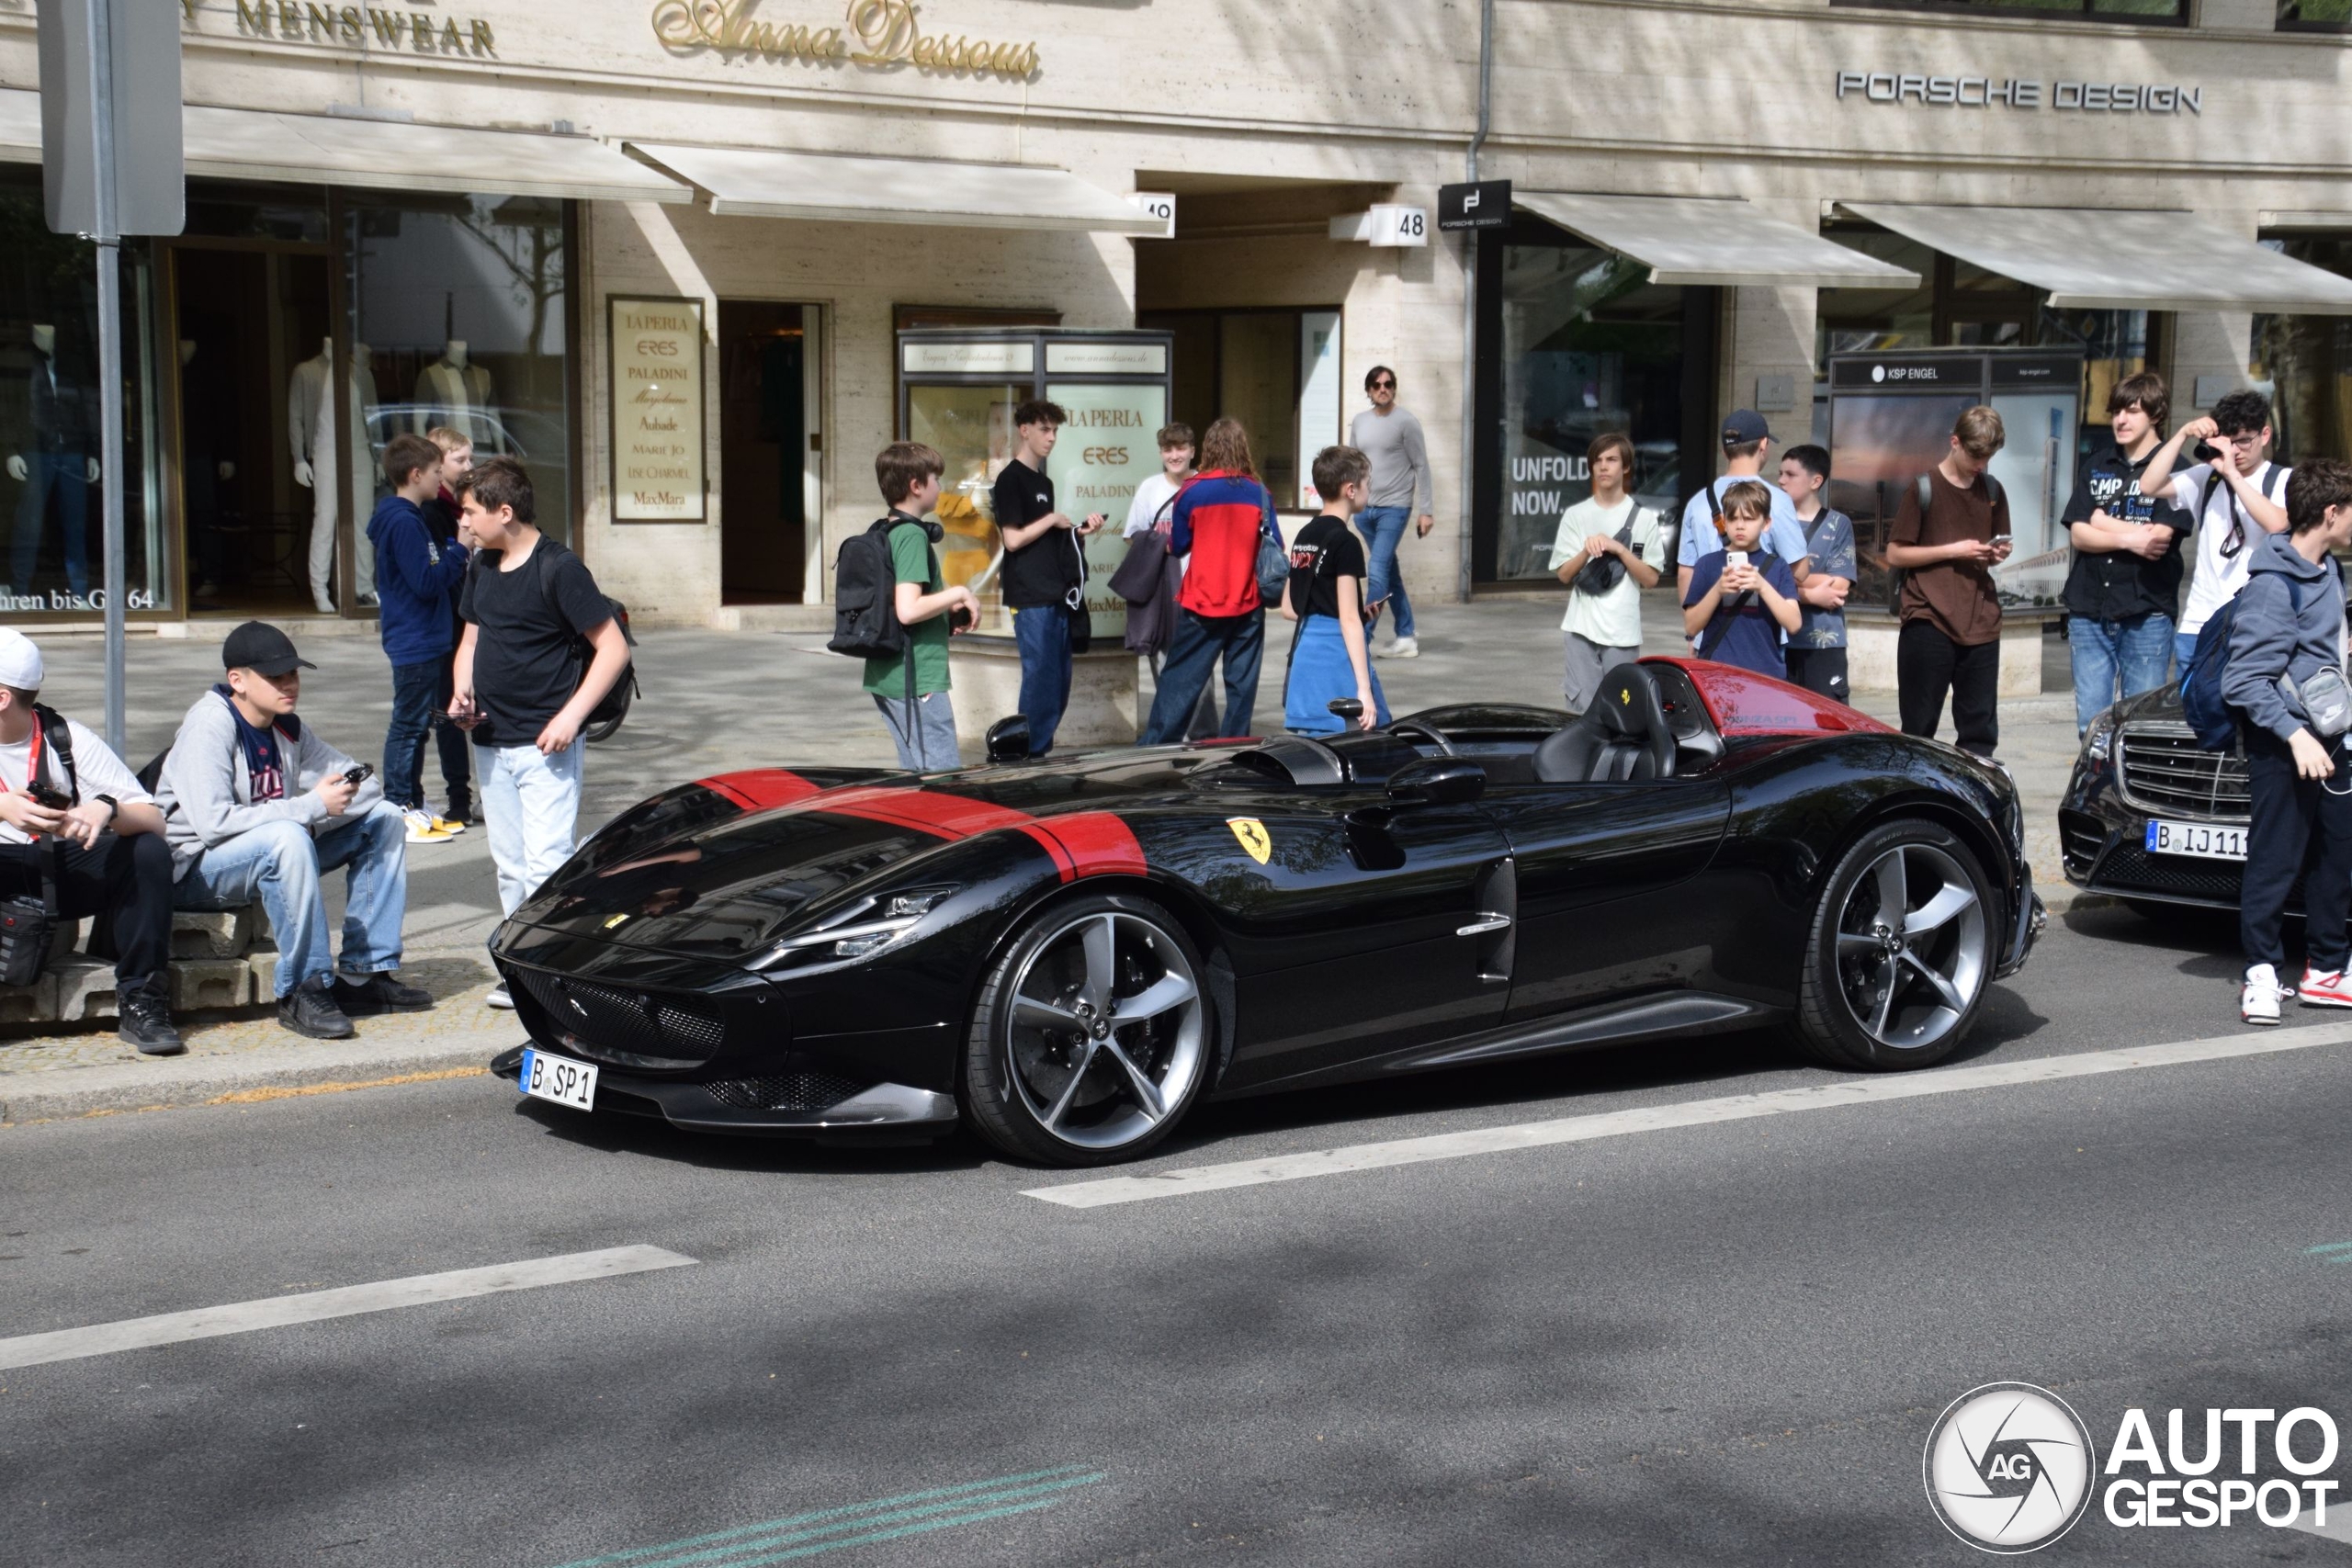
[961,619]
[2205,451]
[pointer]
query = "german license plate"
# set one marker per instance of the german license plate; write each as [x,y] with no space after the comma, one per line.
[558,1078]
[2200,839]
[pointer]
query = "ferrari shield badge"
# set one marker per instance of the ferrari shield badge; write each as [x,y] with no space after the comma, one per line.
[1252,834]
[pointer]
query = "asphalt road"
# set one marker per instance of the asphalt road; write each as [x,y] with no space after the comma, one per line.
[1713,1344]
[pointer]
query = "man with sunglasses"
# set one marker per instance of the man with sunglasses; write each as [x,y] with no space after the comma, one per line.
[1402,485]
[2234,497]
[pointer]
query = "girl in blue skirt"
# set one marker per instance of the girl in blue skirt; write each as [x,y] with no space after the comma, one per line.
[1330,655]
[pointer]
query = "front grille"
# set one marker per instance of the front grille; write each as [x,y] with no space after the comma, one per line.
[2164,769]
[2127,868]
[786,1091]
[2079,839]
[628,1028]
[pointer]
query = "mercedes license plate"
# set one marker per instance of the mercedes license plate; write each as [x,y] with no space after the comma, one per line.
[2200,839]
[558,1078]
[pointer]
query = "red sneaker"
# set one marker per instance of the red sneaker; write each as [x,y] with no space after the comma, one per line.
[2320,990]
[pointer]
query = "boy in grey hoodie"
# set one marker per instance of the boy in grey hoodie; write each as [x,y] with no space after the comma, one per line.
[256,805]
[2290,622]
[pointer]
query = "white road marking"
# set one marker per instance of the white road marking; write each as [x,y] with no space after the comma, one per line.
[2339,1526]
[1107,1191]
[273,1312]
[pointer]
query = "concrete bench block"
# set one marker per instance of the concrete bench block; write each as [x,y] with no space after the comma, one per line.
[85,990]
[263,964]
[210,983]
[213,933]
[36,1003]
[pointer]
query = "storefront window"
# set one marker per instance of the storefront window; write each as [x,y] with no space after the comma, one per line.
[457,319]
[1589,345]
[53,470]
[1277,371]
[2307,360]
[2315,15]
[971,426]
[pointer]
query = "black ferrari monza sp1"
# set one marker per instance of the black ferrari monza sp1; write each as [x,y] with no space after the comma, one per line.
[1066,954]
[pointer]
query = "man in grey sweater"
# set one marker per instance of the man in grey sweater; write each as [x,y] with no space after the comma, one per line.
[255,804]
[1401,485]
[2288,628]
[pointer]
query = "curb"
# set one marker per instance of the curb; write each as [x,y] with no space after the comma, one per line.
[257,1075]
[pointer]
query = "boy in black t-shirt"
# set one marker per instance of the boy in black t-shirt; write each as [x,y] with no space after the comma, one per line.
[1044,574]
[516,687]
[1331,656]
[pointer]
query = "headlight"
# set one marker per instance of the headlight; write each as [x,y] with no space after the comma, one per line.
[2098,740]
[859,931]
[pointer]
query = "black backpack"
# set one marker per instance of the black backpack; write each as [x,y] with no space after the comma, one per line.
[614,703]
[865,594]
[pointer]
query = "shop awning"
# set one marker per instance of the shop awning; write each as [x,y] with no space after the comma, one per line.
[837,188]
[1707,240]
[2106,260]
[252,144]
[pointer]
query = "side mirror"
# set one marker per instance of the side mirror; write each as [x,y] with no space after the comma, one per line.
[1351,709]
[1437,781]
[1008,740]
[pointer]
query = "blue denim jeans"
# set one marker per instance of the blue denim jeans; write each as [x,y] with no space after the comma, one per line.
[2184,648]
[1200,641]
[2137,650]
[285,865]
[414,688]
[1042,633]
[1383,528]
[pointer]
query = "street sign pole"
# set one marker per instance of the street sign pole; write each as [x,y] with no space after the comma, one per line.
[108,238]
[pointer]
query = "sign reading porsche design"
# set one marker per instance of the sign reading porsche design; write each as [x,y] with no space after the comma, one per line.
[873,33]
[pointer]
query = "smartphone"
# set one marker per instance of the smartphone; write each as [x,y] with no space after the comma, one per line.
[358,775]
[2000,538]
[51,796]
[1734,557]
[961,620]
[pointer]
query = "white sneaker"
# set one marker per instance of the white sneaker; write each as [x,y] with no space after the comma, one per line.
[2259,1002]
[1402,648]
[500,999]
[326,605]
[423,829]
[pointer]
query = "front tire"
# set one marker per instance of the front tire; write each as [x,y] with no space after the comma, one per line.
[1900,951]
[1092,1033]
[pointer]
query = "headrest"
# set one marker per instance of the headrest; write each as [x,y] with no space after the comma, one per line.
[1628,704]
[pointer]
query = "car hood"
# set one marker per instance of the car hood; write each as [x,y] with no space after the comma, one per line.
[724,867]
[2159,705]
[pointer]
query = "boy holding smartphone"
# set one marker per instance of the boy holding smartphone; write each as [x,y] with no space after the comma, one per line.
[1742,598]
[257,804]
[923,726]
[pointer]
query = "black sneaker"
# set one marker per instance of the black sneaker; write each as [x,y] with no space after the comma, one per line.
[375,994]
[146,1022]
[311,1009]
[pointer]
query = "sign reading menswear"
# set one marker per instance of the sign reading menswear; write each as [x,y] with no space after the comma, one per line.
[657,399]
[352,27]
[873,33]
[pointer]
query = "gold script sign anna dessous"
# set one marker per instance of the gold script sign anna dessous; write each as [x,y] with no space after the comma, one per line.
[657,410]
[875,33]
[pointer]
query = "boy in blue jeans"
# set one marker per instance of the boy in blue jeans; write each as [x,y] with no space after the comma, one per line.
[1742,598]
[413,575]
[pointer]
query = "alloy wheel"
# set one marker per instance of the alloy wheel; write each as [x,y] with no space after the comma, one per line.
[1107,1030]
[1911,947]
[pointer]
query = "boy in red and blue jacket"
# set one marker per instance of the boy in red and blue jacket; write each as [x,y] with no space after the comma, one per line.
[1217,522]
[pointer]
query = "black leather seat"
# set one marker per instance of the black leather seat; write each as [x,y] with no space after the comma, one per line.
[1622,737]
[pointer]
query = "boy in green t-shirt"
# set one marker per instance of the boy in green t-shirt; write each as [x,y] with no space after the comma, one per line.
[925,730]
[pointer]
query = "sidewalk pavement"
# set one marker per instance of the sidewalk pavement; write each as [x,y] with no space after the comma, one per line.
[712,701]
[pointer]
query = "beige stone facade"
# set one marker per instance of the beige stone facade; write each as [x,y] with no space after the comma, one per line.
[1267,120]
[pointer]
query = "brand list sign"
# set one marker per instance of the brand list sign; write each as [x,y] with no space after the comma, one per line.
[657,411]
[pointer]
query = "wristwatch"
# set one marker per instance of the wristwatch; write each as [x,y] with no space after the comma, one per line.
[114,807]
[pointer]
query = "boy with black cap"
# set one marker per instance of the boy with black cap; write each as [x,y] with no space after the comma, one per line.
[1747,442]
[256,803]
[108,840]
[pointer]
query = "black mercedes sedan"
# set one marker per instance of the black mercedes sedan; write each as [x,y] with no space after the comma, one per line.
[2150,815]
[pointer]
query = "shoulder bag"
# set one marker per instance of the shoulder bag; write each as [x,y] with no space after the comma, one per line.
[1605,572]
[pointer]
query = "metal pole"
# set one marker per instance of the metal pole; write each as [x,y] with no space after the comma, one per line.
[1470,296]
[109,241]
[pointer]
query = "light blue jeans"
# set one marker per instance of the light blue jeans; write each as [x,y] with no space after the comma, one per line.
[284,865]
[2184,648]
[2138,649]
[1383,528]
[530,805]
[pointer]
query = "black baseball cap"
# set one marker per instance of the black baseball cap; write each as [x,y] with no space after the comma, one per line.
[1745,426]
[260,648]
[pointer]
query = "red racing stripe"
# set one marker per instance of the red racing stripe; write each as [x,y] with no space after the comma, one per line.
[761,789]
[1097,843]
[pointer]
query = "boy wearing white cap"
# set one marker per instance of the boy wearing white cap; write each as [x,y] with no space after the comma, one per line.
[64,793]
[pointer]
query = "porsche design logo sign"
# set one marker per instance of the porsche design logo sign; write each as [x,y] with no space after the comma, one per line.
[1252,834]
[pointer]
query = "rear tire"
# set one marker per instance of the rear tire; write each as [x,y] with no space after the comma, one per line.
[1093,1034]
[1900,951]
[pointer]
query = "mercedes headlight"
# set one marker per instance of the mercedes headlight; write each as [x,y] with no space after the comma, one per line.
[2098,740]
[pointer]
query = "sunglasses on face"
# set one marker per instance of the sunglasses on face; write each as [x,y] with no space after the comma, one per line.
[1383,386]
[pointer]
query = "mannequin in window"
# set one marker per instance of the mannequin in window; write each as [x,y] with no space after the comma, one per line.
[60,461]
[320,458]
[455,391]
[207,435]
